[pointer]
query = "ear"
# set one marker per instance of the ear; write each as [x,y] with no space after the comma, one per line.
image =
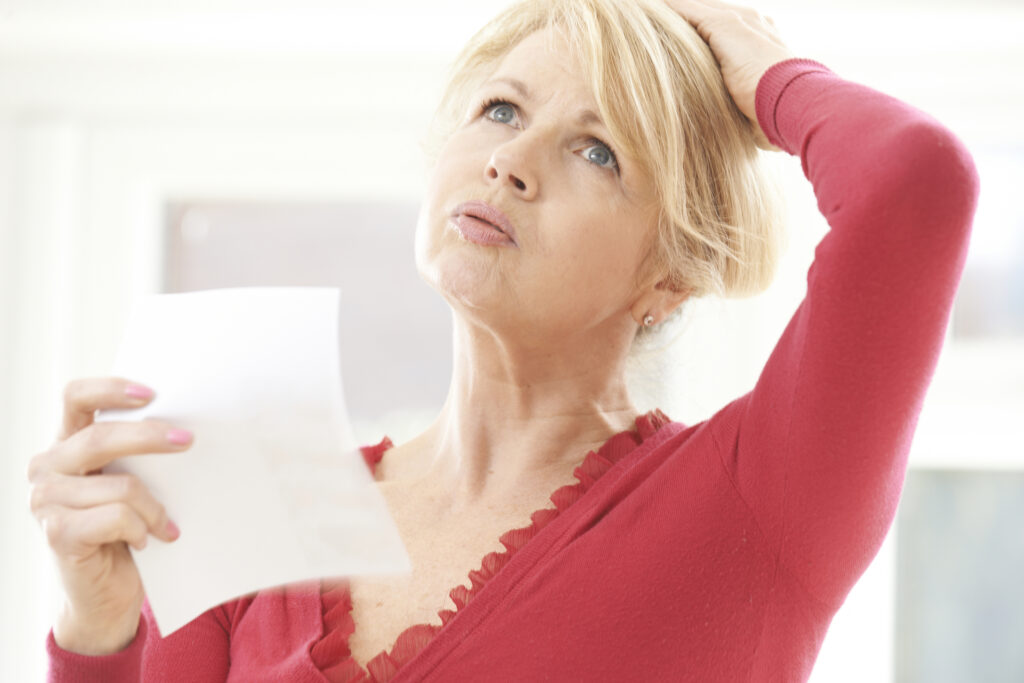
[658,301]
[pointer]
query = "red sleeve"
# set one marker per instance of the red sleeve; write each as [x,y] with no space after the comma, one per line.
[197,652]
[120,667]
[818,449]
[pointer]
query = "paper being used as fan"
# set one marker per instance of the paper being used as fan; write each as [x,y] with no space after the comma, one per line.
[273,489]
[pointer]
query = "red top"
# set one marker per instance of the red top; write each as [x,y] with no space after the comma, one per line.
[714,552]
[331,654]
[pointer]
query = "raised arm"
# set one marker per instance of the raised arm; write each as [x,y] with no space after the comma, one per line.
[104,631]
[818,449]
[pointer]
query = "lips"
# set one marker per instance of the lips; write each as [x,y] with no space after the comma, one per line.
[478,221]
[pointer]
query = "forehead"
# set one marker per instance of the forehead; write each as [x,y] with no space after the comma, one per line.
[543,63]
[545,71]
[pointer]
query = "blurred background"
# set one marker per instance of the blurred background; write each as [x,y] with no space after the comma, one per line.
[163,147]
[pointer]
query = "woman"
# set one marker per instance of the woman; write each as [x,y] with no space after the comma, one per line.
[596,168]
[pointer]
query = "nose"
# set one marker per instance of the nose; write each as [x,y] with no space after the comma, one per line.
[515,163]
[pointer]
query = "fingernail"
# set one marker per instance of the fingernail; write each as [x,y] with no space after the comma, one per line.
[138,391]
[172,530]
[179,437]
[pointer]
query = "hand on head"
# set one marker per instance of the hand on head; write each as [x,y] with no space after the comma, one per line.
[745,44]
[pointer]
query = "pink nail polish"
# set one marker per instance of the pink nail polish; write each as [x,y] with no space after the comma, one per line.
[172,530]
[179,437]
[138,391]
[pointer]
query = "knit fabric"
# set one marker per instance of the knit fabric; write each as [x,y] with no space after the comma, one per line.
[332,656]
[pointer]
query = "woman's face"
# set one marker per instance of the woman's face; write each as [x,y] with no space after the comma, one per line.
[581,215]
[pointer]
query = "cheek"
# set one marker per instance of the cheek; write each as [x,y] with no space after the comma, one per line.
[602,252]
[430,223]
[462,273]
[423,242]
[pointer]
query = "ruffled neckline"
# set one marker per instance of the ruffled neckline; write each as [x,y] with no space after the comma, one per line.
[331,653]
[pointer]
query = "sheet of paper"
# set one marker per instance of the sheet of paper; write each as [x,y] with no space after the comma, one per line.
[274,489]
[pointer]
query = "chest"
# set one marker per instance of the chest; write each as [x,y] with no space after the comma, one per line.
[442,551]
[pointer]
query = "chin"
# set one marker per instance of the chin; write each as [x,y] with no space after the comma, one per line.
[466,274]
[464,278]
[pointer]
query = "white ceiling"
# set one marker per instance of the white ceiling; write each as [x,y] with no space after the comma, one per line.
[270,58]
[210,27]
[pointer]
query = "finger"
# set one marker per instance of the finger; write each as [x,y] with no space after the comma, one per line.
[73,532]
[83,397]
[711,5]
[696,11]
[101,443]
[701,15]
[62,491]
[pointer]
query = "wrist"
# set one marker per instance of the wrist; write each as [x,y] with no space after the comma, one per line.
[770,88]
[93,637]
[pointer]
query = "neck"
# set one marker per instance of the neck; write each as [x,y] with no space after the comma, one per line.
[516,417]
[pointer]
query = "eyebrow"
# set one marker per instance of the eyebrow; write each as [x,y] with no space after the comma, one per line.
[587,116]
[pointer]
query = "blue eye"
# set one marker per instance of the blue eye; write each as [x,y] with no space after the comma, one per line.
[597,152]
[601,155]
[500,112]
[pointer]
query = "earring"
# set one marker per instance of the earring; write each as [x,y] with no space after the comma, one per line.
[648,320]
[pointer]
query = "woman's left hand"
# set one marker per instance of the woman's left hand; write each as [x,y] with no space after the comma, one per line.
[745,45]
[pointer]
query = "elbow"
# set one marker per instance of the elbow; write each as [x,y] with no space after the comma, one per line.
[935,181]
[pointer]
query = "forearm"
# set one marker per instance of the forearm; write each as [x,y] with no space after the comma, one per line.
[824,436]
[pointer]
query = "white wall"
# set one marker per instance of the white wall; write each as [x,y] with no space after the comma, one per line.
[106,112]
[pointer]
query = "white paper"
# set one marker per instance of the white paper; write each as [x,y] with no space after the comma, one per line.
[273,489]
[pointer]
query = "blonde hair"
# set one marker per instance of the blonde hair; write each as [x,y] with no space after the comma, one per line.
[661,95]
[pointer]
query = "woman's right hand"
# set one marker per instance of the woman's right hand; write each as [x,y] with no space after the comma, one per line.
[745,44]
[90,517]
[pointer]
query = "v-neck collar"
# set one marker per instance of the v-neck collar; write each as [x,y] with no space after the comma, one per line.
[421,647]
